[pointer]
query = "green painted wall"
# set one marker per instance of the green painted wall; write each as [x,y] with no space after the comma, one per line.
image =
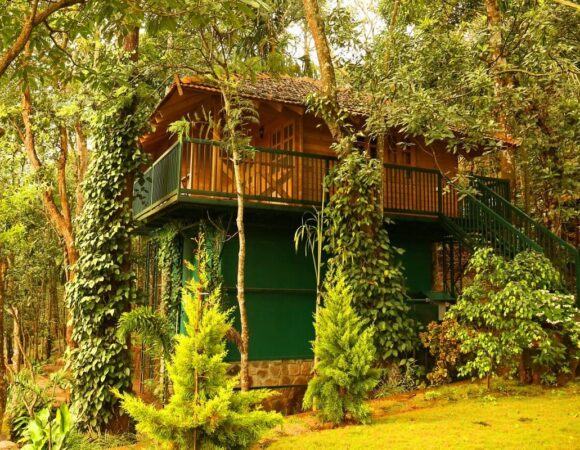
[280,285]
[280,293]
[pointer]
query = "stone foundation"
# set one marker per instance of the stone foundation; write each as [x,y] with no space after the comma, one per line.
[288,377]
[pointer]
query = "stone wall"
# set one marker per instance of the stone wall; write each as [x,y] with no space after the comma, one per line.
[288,377]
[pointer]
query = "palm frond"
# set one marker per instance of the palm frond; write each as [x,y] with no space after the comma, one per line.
[153,328]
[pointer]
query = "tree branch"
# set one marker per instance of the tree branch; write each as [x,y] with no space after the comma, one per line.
[34,19]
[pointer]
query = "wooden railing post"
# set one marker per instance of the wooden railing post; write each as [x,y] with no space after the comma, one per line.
[179,159]
[439,194]
[151,186]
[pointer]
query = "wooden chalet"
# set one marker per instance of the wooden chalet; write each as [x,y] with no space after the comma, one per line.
[193,180]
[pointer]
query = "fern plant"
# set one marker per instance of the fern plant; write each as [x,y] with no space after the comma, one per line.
[344,372]
[205,411]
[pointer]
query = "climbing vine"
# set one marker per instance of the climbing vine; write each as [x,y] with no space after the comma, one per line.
[169,257]
[104,286]
[359,243]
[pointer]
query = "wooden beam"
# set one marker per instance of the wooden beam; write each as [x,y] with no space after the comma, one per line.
[300,110]
[277,106]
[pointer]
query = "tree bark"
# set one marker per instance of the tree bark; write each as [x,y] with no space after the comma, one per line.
[16,341]
[3,381]
[245,334]
[327,74]
[498,63]
[61,219]
[82,164]
[34,19]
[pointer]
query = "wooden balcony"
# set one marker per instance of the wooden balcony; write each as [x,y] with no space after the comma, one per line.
[201,172]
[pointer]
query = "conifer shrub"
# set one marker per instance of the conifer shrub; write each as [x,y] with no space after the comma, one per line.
[345,357]
[205,410]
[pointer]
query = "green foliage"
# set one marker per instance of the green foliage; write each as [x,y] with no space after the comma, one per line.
[345,355]
[359,243]
[99,441]
[405,376]
[445,348]
[434,73]
[513,308]
[44,433]
[25,399]
[153,328]
[104,285]
[205,410]
[170,262]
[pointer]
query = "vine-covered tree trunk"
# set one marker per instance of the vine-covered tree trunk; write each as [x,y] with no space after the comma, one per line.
[104,287]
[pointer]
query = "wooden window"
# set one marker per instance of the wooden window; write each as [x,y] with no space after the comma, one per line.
[401,154]
[284,138]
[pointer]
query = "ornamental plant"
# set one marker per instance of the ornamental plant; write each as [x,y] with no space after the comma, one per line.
[359,243]
[345,355]
[205,411]
[513,312]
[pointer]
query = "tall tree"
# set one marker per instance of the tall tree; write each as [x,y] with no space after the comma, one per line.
[331,110]
[494,76]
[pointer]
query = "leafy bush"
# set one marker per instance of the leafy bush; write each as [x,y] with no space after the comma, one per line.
[444,347]
[25,399]
[405,376]
[345,354]
[44,432]
[99,441]
[512,310]
[205,410]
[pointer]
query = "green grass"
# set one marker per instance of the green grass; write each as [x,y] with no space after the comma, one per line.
[464,416]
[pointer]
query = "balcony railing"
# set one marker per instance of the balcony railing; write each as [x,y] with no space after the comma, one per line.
[201,170]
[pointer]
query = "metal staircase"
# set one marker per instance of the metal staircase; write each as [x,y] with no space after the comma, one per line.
[490,219]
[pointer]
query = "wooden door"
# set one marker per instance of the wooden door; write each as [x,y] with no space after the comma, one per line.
[277,175]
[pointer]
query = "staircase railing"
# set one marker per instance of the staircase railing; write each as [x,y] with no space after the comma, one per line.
[564,256]
[476,224]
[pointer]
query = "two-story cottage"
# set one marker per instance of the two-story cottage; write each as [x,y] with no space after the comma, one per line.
[194,180]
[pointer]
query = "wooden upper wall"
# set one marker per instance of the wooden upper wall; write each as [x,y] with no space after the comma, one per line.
[310,134]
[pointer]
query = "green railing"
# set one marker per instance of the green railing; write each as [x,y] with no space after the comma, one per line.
[202,169]
[499,186]
[159,182]
[562,254]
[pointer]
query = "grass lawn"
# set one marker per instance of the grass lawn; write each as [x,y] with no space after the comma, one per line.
[460,416]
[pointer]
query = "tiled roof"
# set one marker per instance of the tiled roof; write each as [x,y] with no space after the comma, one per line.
[283,89]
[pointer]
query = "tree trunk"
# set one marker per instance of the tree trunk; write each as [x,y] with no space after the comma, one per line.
[245,335]
[498,63]
[3,381]
[327,75]
[16,342]
[82,164]
[61,219]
